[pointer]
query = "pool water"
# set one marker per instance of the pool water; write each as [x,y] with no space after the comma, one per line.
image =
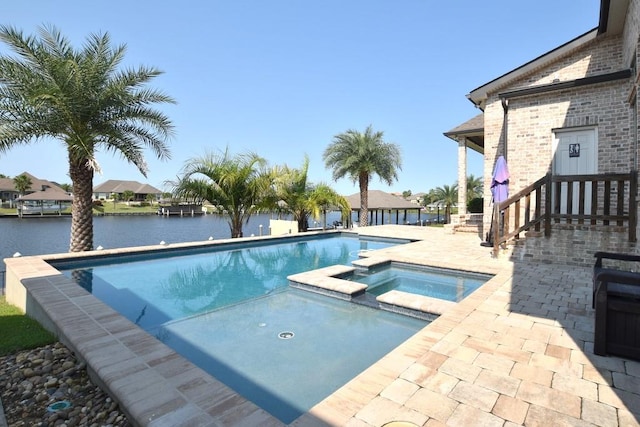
[325,342]
[153,291]
[225,309]
[450,285]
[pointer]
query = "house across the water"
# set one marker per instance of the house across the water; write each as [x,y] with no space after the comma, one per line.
[108,189]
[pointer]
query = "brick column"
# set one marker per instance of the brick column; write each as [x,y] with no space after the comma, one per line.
[462,175]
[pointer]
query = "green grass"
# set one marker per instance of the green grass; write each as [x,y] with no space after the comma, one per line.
[121,207]
[18,331]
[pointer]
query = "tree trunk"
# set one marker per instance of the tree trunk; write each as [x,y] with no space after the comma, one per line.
[303,224]
[235,224]
[82,206]
[364,199]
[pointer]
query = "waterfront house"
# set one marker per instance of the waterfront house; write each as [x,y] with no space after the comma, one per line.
[107,189]
[567,123]
[9,194]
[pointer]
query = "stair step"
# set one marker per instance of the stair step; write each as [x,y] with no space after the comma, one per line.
[467,229]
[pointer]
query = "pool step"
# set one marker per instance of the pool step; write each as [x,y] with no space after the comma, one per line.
[362,272]
[370,301]
[366,299]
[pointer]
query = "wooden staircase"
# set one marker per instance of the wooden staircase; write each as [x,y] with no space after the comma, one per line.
[597,201]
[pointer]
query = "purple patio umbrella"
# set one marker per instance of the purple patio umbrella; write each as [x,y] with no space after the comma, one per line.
[500,181]
[500,193]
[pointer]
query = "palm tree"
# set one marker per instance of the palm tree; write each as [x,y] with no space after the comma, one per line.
[49,90]
[360,156]
[22,183]
[302,199]
[128,195]
[447,196]
[237,185]
[428,198]
[474,187]
[115,197]
[325,198]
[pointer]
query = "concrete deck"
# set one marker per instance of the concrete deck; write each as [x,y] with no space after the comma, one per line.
[518,351]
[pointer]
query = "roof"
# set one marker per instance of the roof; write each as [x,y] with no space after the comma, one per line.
[480,94]
[380,200]
[611,21]
[119,186]
[472,130]
[48,193]
[7,184]
[612,16]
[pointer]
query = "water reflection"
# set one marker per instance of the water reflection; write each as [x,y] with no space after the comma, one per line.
[230,277]
[84,278]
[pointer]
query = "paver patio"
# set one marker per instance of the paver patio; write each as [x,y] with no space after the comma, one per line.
[517,351]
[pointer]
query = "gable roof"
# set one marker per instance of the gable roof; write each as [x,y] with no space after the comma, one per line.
[611,21]
[48,193]
[480,94]
[381,200]
[119,186]
[37,184]
[612,16]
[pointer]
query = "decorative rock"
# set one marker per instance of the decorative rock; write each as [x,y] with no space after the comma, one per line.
[30,381]
[51,382]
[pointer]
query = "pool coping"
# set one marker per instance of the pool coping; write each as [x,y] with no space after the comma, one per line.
[154,385]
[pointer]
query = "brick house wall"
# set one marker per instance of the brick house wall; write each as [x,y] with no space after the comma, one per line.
[631,34]
[532,121]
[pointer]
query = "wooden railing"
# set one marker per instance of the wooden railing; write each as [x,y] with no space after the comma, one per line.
[603,199]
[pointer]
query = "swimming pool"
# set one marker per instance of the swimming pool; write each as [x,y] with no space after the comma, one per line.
[449,285]
[232,313]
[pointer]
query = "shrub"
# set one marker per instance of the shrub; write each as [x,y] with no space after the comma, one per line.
[476,205]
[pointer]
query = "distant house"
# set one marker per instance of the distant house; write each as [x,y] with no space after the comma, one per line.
[114,186]
[9,193]
[417,198]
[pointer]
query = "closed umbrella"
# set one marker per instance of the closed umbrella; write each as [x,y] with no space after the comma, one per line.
[500,181]
[499,190]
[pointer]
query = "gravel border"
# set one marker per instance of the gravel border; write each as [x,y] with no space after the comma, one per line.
[32,381]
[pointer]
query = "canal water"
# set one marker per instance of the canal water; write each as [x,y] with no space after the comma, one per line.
[50,234]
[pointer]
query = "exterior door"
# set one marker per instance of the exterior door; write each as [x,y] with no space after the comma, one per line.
[575,153]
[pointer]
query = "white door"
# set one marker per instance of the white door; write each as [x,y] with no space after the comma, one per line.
[575,153]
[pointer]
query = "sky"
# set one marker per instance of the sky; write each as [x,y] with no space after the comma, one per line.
[281,78]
